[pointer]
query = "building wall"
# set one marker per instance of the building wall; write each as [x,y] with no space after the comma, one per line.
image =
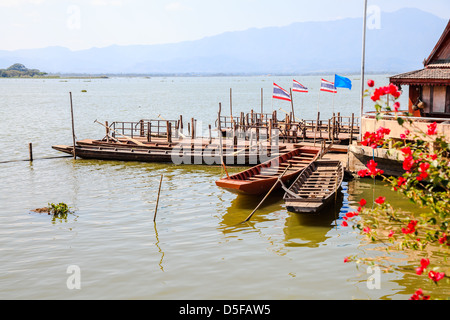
[370,124]
[436,99]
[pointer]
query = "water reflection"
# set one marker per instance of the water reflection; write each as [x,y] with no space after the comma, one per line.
[159,249]
[243,205]
[300,230]
[310,230]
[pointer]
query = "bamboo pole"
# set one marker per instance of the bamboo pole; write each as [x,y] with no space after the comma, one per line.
[351,129]
[231,105]
[210,135]
[157,199]
[73,127]
[169,131]
[30,151]
[270,191]
[262,99]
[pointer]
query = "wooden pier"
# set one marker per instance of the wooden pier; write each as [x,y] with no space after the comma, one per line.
[249,139]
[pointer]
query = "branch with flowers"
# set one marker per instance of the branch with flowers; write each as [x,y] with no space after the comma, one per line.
[425,182]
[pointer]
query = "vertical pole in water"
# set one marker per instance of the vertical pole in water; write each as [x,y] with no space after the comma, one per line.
[30,151]
[231,106]
[210,135]
[262,108]
[157,200]
[363,68]
[73,127]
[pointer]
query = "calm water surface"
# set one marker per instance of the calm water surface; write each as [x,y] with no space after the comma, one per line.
[198,248]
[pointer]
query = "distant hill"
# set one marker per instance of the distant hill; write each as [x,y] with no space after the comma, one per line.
[18,70]
[405,38]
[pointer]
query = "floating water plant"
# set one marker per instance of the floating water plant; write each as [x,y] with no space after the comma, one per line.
[60,210]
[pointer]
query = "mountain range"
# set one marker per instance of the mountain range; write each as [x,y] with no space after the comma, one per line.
[401,41]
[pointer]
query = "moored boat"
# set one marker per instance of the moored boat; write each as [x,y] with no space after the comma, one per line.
[315,187]
[261,178]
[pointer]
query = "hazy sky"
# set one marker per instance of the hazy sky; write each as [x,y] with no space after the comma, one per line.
[82,24]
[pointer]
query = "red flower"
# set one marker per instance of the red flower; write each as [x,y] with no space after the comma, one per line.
[391,234]
[432,129]
[401,181]
[371,83]
[411,228]
[344,224]
[408,163]
[380,200]
[436,276]
[393,90]
[350,214]
[424,263]
[443,239]
[347,259]
[396,106]
[422,176]
[432,156]
[406,151]
[366,230]
[424,166]
[363,173]
[418,295]
[362,203]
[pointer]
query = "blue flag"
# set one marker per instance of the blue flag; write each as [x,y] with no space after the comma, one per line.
[342,82]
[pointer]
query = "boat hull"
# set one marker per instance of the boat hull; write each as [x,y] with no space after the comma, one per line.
[315,188]
[156,155]
[260,179]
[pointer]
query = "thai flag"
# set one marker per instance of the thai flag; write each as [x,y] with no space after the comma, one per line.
[328,86]
[298,87]
[280,93]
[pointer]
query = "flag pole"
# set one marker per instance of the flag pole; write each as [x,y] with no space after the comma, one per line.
[318,102]
[292,106]
[333,101]
[363,68]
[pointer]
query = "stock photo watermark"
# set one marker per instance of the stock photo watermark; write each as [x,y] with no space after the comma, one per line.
[74,17]
[74,280]
[374,280]
[374,17]
[236,147]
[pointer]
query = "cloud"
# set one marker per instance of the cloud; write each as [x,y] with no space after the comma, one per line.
[176,7]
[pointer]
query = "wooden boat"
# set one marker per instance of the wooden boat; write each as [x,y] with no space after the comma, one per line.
[175,155]
[117,154]
[315,187]
[261,178]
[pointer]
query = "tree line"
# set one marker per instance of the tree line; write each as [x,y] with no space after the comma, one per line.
[18,70]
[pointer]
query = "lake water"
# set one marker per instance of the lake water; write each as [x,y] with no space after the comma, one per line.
[198,248]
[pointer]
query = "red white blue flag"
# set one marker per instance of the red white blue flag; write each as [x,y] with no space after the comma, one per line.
[298,87]
[328,86]
[280,93]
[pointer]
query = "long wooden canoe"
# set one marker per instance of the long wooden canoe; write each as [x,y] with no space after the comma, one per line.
[201,156]
[315,187]
[261,178]
[117,154]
